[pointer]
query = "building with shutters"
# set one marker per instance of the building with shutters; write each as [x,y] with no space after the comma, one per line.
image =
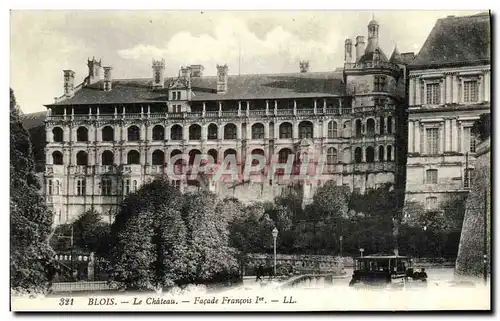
[449,88]
[106,137]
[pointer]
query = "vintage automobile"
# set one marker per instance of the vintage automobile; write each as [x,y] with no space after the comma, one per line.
[382,270]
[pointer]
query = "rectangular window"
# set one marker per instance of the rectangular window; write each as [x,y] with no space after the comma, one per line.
[134,186]
[106,187]
[380,83]
[80,187]
[469,140]
[431,176]
[174,95]
[470,91]
[58,188]
[286,131]
[50,187]
[431,203]
[127,186]
[177,108]
[433,92]
[432,141]
[178,95]
[468,174]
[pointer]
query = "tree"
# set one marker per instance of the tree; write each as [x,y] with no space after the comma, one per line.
[331,201]
[31,258]
[91,233]
[138,243]
[207,238]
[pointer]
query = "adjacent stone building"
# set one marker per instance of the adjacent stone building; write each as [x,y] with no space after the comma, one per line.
[449,87]
[106,137]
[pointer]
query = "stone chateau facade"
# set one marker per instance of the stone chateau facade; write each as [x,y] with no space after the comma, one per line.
[106,137]
[449,88]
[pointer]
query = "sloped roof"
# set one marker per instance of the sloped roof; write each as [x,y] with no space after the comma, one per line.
[240,87]
[368,56]
[457,40]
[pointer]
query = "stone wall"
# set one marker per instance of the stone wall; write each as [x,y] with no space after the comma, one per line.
[471,249]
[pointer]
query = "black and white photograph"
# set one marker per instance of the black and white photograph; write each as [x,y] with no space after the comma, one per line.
[255,161]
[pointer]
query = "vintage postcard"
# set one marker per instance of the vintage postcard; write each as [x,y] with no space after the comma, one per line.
[250,160]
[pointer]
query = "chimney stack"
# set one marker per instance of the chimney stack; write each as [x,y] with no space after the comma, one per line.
[304,66]
[196,70]
[158,74]
[107,78]
[69,83]
[94,70]
[348,51]
[222,77]
[360,47]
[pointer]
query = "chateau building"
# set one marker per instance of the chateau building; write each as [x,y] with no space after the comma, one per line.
[106,136]
[449,88]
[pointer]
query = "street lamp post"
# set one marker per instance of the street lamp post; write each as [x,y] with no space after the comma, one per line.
[275,236]
[361,251]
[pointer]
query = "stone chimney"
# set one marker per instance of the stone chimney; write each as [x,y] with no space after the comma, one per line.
[304,66]
[69,83]
[94,70]
[222,76]
[158,73]
[348,51]
[185,72]
[360,47]
[107,78]
[197,70]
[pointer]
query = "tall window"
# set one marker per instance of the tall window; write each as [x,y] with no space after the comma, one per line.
[470,91]
[370,127]
[389,153]
[285,131]
[158,133]
[133,158]
[331,156]
[433,94]
[82,134]
[174,95]
[81,158]
[133,133]
[347,129]
[108,134]
[58,188]
[431,176]
[50,187]
[358,155]
[57,158]
[469,140]
[257,131]
[382,125]
[370,154]
[126,187]
[107,158]
[212,132]
[158,157]
[332,129]
[57,133]
[431,203]
[80,187]
[134,186]
[106,187]
[380,83]
[176,132]
[381,153]
[468,174]
[305,130]
[432,141]
[195,132]
[389,125]
[230,131]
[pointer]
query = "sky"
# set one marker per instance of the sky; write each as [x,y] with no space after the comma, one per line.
[44,43]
